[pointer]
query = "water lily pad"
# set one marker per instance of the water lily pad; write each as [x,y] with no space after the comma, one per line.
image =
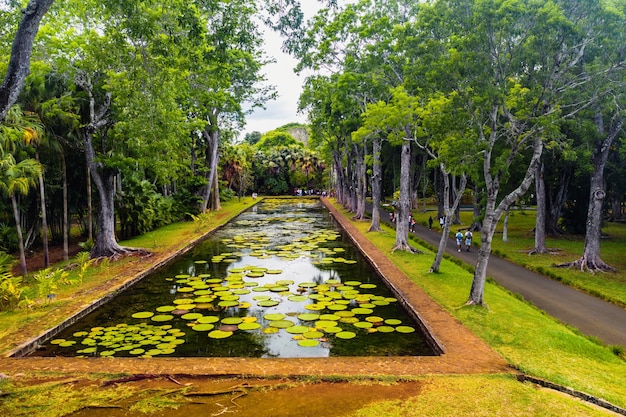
[308,343]
[298,329]
[313,334]
[219,334]
[271,330]
[332,329]
[367,286]
[274,271]
[228,303]
[346,335]
[297,298]
[363,324]
[267,303]
[208,319]
[165,309]
[314,306]
[308,316]
[107,353]
[362,310]
[232,320]
[393,322]
[249,326]
[320,324]
[385,329]
[281,324]
[374,319]
[191,316]
[162,317]
[203,327]
[405,329]
[274,316]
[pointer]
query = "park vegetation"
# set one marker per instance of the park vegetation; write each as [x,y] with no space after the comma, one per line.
[119,117]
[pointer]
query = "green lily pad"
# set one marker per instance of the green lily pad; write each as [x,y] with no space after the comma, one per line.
[308,316]
[249,326]
[271,330]
[203,327]
[393,322]
[162,317]
[313,335]
[191,316]
[228,303]
[363,324]
[346,335]
[281,324]
[232,320]
[374,319]
[165,309]
[267,303]
[208,319]
[332,329]
[405,329]
[274,316]
[314,307]
[362,310]
[219,334]
[308,343]
[298,329]
[385,329]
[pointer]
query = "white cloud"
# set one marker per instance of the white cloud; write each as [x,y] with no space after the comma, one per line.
[284,109]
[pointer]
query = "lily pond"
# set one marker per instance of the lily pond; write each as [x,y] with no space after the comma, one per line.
[281,280]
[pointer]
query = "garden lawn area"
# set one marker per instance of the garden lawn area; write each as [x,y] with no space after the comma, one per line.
[530,340]
[610,286]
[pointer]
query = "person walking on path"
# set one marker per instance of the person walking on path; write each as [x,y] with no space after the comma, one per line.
[430,222]
[459,240]
[468,240]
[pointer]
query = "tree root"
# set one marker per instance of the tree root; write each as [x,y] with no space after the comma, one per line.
[407,248]
[545,251]
[586,265]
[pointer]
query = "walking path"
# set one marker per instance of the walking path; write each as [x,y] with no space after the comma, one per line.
[589,314]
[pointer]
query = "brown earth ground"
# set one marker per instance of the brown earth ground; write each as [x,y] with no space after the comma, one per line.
[245,381]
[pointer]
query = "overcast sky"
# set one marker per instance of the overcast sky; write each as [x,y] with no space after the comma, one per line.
[283,110]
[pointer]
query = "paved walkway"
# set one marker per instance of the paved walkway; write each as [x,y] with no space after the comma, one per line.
[589,314]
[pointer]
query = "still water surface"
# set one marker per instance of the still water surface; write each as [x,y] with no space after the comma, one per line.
[280,280]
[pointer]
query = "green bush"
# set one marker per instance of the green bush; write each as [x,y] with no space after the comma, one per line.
[11,288]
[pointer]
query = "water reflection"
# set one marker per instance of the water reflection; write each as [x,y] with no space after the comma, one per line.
[278,281]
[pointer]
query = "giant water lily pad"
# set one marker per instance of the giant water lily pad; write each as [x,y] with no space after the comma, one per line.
[308,343]
[143,315]
[281,324]
[249,326]
[405,329]
[274,316]
[298,329]
[208,319]
[220,334]
[346,335]
[203,327]
[162,317]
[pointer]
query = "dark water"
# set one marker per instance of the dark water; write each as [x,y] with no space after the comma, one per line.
[243,293]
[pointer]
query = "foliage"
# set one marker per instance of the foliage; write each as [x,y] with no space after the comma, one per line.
[8,238]
[141,208]
[11,288]
[276,138]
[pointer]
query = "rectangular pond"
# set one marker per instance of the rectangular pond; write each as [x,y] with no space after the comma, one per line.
[281,280]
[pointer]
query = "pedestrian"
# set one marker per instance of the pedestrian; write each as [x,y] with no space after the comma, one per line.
[459,240]
[392,217]
[430,222]
[412,225]
[442,220]
[468,240]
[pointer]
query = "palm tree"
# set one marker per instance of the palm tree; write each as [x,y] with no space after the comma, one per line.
[16,177]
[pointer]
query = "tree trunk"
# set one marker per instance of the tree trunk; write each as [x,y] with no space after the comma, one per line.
[89,206]
[493,212]
[590,259]
[505,226]
[215,195]
[211,157]
[44,221]
[540,218]
[20,237]
[439,193]
[66,226]
[360,184]
[376,186]
[404,205]
[19,63]
[445,233]
[339,173]
[556,202]
[476,224]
